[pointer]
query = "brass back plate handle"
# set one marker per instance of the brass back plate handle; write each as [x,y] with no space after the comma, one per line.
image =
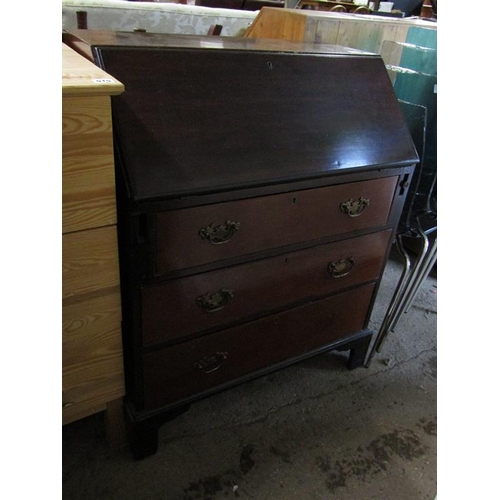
[217,235]
[211,363]
[341,268]
[354,208]
[212,302]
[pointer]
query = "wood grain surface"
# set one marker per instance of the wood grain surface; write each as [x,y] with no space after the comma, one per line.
[81,77]
[92,361]
[359,32]
[92,367]
[88,176]
[90,261]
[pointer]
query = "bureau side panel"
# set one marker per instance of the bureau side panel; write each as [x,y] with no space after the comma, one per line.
[88,179]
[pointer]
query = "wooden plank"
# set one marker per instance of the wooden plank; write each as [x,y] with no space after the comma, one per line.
[371,37]
[422,37]
[76,411]
[86,115]
[274,25]
[327,31]
[363,32]
[349,34]
[82,77]
[92,360]
[92,367]
[90,261]
[116,428]
[391,52]
[88,179]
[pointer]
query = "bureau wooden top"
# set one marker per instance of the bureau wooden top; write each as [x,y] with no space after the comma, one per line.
[203,115]
[82,77]
[84,40]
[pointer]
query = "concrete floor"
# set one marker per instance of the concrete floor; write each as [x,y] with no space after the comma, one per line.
[313,431]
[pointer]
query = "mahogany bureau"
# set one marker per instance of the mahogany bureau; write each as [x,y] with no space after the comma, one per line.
[259,186]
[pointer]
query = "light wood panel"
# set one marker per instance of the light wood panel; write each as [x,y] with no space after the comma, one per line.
[92,361]
[92,355]
[363,32]
[81,77]
[88,178]
[90,261]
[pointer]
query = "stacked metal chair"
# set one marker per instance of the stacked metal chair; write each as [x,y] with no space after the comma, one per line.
[413,71]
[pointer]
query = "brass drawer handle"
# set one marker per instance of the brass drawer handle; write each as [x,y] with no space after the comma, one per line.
[341,268]
[354,208]
[217,235]
[211,363]
[212,302]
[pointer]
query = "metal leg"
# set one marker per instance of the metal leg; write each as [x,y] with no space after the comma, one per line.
[394,301]
[410,288]
[427,265]
[409,284]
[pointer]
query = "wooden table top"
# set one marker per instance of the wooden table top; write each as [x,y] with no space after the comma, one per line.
[82,77]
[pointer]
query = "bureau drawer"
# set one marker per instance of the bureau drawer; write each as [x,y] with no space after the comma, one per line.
[184,306]
[200,235]
[176,372]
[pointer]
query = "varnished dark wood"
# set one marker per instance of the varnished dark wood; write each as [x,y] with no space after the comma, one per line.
[252,346]
[215,30]
[143,430]
[268,222]
[171,311]
[238,162]
[96,39]
[300,134]
[81,19]
[358,351]
[143,425]
[284,115]
[241,4]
